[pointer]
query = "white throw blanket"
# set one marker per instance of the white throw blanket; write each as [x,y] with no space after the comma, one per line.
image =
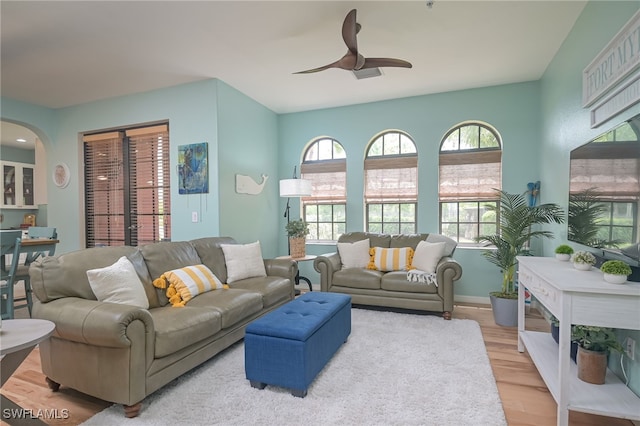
[418,276]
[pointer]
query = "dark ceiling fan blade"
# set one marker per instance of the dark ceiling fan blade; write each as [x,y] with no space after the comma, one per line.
[349,30]
[348,62]
[385,62]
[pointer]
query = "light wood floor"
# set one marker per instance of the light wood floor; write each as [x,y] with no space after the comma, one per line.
[525,398]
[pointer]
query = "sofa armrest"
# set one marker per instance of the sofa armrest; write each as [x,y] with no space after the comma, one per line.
[326,265]
[448,270]
[97,323]
[285,268]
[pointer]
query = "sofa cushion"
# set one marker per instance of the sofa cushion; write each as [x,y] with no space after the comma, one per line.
[234,305]
[137,260]
[427,256]
[65,275]
[376,240]
[354,255]
[390,259]
[243,261]
[118,283]
[407,240]
[178,328]
[274,290]
[357,278]
[397,281]
[211,254]
[165,256]
[184,284]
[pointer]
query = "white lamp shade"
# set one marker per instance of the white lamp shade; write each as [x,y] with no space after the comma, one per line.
[295,188]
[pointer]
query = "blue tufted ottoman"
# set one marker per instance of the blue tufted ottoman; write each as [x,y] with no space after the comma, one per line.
[289,346]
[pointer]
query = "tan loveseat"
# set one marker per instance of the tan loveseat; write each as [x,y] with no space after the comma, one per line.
[122,353]
[392,289]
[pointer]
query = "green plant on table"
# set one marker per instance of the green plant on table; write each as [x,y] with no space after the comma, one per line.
[297,229]
[592,338]
[615,267]
[564,249]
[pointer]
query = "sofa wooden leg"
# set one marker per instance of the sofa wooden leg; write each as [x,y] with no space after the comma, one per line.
[54,386]
[446,315]
[132,410]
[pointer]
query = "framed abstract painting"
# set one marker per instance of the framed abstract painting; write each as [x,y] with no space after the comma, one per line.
[193,169]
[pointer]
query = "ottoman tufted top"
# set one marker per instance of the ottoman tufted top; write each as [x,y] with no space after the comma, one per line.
[300,318]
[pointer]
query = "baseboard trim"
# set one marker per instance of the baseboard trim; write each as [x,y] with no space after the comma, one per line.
[472,299]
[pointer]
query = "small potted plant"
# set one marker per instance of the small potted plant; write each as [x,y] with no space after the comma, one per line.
[615,271]
[564,252]
[594,344]
[583,260]
[297,230]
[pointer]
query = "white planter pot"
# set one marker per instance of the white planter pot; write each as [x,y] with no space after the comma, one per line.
[615,279]
[582,266]
[563,257]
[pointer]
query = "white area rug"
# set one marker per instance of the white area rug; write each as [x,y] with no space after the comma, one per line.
[395,369]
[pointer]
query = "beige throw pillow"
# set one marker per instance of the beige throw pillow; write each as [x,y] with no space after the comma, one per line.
[118,283]
[354,255]
[243,261]
[427,255]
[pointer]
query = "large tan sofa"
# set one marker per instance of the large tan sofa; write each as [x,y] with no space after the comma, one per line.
[392,289]
[122,353]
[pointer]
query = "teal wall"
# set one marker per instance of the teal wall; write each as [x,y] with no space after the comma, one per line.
[426,119]
[566,124]
[248,141]
[191,111]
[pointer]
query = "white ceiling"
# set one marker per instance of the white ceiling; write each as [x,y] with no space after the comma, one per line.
[58,54]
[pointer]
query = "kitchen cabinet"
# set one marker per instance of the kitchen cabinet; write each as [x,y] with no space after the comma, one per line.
[18,185]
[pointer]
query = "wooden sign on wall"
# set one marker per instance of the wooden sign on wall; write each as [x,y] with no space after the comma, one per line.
[617,60]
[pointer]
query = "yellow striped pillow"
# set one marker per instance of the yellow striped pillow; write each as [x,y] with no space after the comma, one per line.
[390,259]
[186,283]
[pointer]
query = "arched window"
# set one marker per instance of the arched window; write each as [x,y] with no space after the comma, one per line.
[391,184]
[470,171]
[325,165]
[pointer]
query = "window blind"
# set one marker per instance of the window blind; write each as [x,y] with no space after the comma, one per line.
[104,189]
[328,181]
[391,179]
[470,175]
[149,189]
[127,187]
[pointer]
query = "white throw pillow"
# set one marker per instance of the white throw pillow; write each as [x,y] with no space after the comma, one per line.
[354,255]
[427,255]
[243,261]
[118,283]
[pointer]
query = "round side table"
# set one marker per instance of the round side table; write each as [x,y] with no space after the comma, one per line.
[307,258]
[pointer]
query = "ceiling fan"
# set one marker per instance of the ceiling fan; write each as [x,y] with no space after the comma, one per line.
[353,60]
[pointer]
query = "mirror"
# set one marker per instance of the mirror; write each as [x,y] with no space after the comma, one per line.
[604,191]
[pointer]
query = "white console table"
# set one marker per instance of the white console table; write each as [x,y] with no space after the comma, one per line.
[576,297]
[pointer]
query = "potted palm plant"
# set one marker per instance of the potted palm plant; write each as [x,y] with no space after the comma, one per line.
[297,230]
[516,229]
[594,344]
[615,271]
